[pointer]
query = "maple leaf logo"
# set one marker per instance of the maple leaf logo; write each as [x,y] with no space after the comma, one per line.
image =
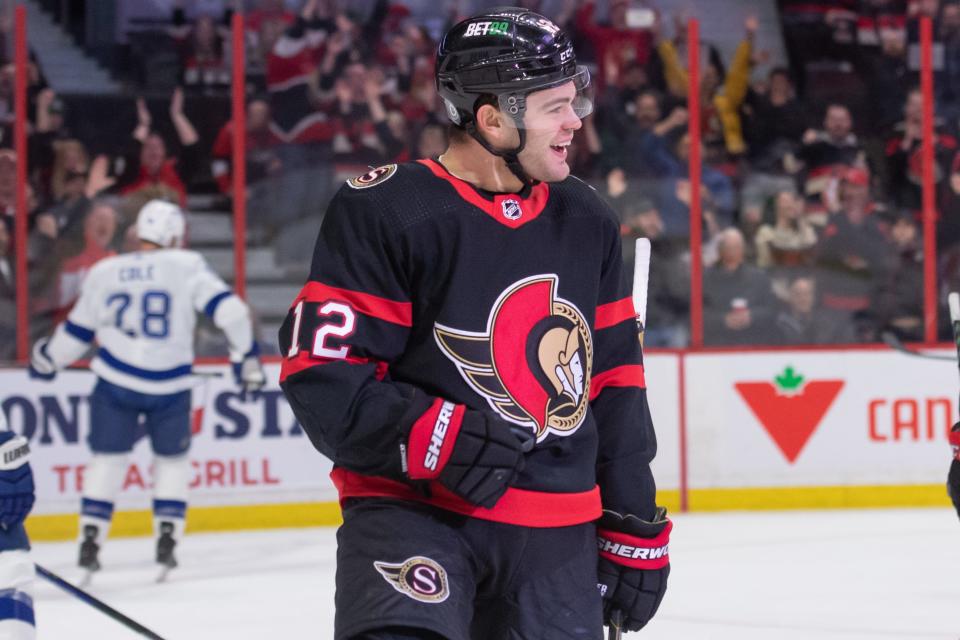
[790,408]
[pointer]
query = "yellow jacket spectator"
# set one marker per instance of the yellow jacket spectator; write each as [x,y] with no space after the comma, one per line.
[720,104]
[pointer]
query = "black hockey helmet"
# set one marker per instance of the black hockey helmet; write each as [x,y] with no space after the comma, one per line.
[505,53]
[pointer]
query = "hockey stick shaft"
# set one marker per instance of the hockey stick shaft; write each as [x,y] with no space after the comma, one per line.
[892,341]
[97,604]
[641,276]
[616,621]
[76,367]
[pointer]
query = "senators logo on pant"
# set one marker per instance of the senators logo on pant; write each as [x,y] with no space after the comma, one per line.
[533,362]
[418,577]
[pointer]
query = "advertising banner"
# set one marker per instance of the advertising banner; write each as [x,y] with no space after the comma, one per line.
[818,418]
[245,452]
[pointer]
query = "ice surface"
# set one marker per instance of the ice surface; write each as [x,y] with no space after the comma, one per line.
[843,575]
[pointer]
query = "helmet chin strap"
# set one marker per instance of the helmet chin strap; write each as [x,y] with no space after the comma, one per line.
[510,157]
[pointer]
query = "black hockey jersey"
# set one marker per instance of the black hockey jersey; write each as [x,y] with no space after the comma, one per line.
[427,295]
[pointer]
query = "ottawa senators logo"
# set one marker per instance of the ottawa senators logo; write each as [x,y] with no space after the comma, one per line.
[373,177]
[419,578]
[533,362]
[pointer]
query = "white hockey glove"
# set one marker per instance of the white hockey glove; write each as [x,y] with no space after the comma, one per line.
[42,365]
[249,375]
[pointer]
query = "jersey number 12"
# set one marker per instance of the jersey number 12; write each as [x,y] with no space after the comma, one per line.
[332,329]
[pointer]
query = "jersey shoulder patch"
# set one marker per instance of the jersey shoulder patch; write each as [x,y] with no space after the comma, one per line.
[373,177]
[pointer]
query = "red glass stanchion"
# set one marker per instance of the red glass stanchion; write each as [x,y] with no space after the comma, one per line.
[929,196]
[238,95]
[693,124]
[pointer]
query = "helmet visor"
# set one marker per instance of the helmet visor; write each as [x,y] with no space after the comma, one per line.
[538,105]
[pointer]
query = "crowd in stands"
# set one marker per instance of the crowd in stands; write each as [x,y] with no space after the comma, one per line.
[810,176]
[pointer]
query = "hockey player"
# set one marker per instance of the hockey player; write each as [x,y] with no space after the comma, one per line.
[16,567]
[465,352]
[953,478]
[141,307]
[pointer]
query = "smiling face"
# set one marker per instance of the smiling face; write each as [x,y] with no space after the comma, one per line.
[550,122]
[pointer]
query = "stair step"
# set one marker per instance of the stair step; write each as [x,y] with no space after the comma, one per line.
[260,265]
[215,229]
[271,301]
[207,202]
[67,68]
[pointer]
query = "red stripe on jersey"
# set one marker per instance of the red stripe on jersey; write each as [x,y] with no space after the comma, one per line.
[954,436]
[374,306]
[431,439]
[304,360]
[614,313]
[517,506]
[630,375]
[500,208]
[634,552]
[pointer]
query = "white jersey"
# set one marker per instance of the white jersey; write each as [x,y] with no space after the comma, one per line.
[141,307]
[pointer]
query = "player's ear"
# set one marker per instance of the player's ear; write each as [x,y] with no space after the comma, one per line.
[492,124]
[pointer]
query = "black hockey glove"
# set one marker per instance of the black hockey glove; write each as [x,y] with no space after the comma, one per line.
[953,478]
[474,454]
[634,566]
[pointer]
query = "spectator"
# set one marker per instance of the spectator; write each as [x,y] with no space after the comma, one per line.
[99,233]
[646,134]
[854,257]
[888,78]
[900,299]
[802,322]
[616,106]
[716,191]
[202,62]
[292,77]
[8,182]
[829,152]
[948,84]
[668,285]
[262,157]
[356,140]
[616,191]
[390,130]
[300,117]
[71,207]
[70,159]
[738,303]
[49,134]
[264,25]
[905,157]
[618,44]
[7,279]
[8,291]
[720,97]
[585,153]
[788,244]
[818,30]
[774,124]
[149,169]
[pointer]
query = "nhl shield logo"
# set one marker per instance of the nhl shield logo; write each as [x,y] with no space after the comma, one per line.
[511,209]
[418,577]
